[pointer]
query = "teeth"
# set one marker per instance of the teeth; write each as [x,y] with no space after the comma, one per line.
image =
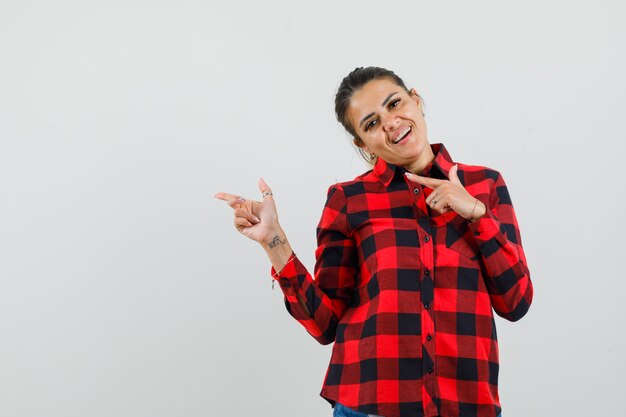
[402,135]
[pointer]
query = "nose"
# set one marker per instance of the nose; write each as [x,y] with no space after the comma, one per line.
[390,123]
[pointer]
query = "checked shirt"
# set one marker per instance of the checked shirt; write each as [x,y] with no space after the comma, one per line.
[407,294]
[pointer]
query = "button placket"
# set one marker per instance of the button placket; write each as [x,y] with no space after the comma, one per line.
[427,248]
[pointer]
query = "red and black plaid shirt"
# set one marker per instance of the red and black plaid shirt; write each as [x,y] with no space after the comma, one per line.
[407,293]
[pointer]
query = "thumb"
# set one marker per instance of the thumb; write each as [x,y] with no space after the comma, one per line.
[265,189]
[452,175]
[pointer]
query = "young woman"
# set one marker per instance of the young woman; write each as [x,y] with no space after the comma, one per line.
[413,257]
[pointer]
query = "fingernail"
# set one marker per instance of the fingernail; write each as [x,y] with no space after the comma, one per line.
[256,219]
[408,174]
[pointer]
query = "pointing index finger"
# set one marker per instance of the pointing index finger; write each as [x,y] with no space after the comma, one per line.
[231,199]
[224,196]
[428,182]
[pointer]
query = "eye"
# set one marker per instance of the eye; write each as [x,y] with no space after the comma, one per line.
[370,124]
[394,103]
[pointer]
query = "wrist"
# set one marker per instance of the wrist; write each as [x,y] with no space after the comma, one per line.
[274,239]
[277,247]
[478,211]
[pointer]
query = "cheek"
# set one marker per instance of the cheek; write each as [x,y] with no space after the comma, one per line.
[378,141]
[373,146]
[420,122]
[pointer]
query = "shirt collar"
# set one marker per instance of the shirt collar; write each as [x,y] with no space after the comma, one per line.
[438,168]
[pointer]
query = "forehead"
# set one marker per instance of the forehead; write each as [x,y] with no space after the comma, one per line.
[370,97]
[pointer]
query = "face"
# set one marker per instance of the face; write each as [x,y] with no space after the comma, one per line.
[390,123]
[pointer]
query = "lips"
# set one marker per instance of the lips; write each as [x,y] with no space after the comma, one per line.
[403,134]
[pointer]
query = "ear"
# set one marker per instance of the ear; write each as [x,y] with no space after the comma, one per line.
[416,97]
[359,143]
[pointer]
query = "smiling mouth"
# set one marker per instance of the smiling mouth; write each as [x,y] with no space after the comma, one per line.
[402,135]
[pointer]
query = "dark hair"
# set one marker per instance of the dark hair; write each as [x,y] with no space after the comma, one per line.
[349,85]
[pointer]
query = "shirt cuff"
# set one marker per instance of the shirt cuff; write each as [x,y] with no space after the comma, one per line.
[287,278]
[486,228]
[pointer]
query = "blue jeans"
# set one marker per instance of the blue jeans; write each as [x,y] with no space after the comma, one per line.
[343,411]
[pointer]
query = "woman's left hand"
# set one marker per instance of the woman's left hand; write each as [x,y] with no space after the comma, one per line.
[450,195]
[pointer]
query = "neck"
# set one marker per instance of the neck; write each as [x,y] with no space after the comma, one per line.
[425,158]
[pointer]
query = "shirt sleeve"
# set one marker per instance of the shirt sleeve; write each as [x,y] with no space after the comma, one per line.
[506,272]
[319,303]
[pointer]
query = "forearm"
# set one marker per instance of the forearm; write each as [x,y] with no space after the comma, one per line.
[277,248]
[317,301]
[506,272]
[279,252]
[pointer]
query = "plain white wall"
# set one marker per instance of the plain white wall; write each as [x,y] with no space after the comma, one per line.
[126,291]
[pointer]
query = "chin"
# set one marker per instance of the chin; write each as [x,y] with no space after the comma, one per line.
[417,148]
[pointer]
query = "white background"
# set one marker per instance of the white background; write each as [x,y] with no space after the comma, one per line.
[126,291]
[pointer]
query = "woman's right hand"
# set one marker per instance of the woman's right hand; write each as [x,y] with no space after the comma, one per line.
[257,220]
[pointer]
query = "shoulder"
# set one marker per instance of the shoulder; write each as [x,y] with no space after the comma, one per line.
[481,180]
[359,185]
[478,174]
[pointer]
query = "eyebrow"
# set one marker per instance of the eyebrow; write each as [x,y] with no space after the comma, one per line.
[383,105]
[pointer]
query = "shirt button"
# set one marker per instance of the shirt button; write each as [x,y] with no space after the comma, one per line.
[426,239]
[430,370]
[429,338]
[426,306]
[416,191]
[427,272]
[476,233]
